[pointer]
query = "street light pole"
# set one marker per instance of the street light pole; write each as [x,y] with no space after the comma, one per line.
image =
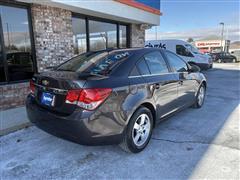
[221,23]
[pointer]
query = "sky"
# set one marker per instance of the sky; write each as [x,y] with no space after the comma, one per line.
[197,19]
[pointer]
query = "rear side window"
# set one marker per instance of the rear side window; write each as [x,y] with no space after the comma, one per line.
[143,67]
[156,63]
[134,72]
[176,62]
[94,62]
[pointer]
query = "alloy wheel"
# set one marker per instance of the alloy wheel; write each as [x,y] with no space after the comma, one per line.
[201,95]
[141,130]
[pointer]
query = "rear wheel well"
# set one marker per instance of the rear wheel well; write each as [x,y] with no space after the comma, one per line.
[152,109]
[205,84]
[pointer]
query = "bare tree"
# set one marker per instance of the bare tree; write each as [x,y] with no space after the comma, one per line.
[190,40]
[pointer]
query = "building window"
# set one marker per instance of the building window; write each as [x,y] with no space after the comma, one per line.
[102,35]
[16,62]
[93,34]
[122,36]
[2,71]
[79,35]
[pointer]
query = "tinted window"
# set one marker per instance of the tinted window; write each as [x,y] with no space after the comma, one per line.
[156,63]
[176,62]
[17,44]
[134,72]
[181,50]
[94,63]
[102,35]
[143,67]
[79,35]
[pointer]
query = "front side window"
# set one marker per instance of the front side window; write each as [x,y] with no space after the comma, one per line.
[16,44]
[102,35]
[79,35]
[176,62]
[183,51]
[156,63]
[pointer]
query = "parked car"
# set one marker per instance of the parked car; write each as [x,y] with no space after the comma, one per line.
[114,97]
[185,50]
[223,57]
[236,53]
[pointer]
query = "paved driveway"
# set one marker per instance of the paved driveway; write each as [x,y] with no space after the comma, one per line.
[196,143]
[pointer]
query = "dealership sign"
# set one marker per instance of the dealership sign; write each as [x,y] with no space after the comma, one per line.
[215,43]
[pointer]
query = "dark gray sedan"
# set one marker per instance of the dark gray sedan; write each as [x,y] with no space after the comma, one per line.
[114,96]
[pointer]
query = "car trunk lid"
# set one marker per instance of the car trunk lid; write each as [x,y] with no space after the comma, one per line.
[51,89]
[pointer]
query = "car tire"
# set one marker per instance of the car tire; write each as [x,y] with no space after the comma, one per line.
[199,101]
[138,132]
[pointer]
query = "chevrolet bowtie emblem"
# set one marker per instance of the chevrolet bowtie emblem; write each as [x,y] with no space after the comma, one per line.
[45,82]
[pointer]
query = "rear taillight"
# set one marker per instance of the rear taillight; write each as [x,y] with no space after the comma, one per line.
[88,99]
[72,96]
[32,87]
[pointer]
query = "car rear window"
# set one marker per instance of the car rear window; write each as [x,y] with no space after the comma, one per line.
[95,62]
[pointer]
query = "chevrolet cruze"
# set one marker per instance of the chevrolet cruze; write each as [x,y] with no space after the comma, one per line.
[113,96]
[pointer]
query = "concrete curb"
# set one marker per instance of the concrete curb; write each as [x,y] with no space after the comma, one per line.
[13,119]
[14,128]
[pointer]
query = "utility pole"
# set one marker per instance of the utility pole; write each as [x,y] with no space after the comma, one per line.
[222,24]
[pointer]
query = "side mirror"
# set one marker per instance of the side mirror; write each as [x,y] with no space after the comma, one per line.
[194,68]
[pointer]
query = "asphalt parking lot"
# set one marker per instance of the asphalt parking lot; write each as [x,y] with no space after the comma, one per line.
[196,143]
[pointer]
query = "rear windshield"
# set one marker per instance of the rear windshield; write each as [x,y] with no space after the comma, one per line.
[99,63]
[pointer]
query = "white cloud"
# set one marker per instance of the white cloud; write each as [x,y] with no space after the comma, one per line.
[231,32]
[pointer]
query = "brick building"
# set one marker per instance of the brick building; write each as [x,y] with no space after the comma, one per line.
[37,34]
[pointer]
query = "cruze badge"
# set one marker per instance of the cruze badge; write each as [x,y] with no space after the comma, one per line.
[45,82]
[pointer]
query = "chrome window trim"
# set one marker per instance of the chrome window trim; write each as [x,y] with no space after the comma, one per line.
[149,75]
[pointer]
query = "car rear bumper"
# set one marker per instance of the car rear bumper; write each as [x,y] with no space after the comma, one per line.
[84,131]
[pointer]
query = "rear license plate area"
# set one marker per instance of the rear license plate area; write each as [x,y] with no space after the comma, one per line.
[47,99]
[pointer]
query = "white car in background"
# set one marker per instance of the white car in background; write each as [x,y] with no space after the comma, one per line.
[185,50]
